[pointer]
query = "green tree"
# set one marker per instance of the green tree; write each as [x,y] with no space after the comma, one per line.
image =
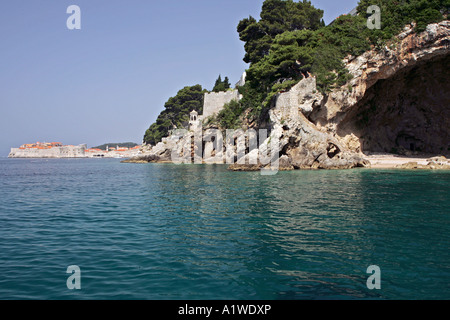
[226,83]
[220,85]
[176,113]
[396,14]
[277,16]
[229,116]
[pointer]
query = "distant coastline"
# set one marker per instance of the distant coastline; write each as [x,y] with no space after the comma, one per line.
[57,150]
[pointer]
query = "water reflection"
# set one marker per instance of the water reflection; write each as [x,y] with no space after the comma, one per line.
[202,232]
[309,234]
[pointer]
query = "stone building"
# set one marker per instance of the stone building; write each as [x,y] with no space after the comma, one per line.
[213,104]
[215,101]
[194,120]
[38,151]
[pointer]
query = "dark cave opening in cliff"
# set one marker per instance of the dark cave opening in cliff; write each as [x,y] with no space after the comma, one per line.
[407,114]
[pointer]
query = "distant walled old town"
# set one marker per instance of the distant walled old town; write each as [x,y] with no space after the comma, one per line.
[58,150]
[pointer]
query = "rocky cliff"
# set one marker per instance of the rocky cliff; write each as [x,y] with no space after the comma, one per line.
[398,99]
[396,102]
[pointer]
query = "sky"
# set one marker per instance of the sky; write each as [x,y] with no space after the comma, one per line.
[108,81]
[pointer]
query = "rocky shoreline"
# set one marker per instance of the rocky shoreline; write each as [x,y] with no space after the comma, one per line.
[380,161]
[410,163]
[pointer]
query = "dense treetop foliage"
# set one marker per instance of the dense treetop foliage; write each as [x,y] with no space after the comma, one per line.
[290,42]
[395,14]
[176,113]
[221,85]
[277,16]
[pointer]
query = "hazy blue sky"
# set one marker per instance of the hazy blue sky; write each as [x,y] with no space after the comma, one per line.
[108,81]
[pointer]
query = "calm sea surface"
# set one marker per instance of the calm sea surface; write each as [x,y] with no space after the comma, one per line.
[201,232]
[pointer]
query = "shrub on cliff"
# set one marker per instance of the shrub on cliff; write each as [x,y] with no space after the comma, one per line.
[229,116]
[396,14]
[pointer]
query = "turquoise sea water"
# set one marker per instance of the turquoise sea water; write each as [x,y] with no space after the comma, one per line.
[201,232]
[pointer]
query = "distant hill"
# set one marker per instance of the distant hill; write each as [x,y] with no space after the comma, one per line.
[113,145]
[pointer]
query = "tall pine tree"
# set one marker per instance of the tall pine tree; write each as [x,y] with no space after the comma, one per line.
[221,85]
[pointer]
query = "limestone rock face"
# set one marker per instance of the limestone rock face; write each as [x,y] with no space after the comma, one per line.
[301,144]
[375,65]
[301,141]
[302,97]
[398,98]
[285,163]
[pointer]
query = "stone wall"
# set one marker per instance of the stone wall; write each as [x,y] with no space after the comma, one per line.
[55,152]
[302,97]
[215,101]
[241,81]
